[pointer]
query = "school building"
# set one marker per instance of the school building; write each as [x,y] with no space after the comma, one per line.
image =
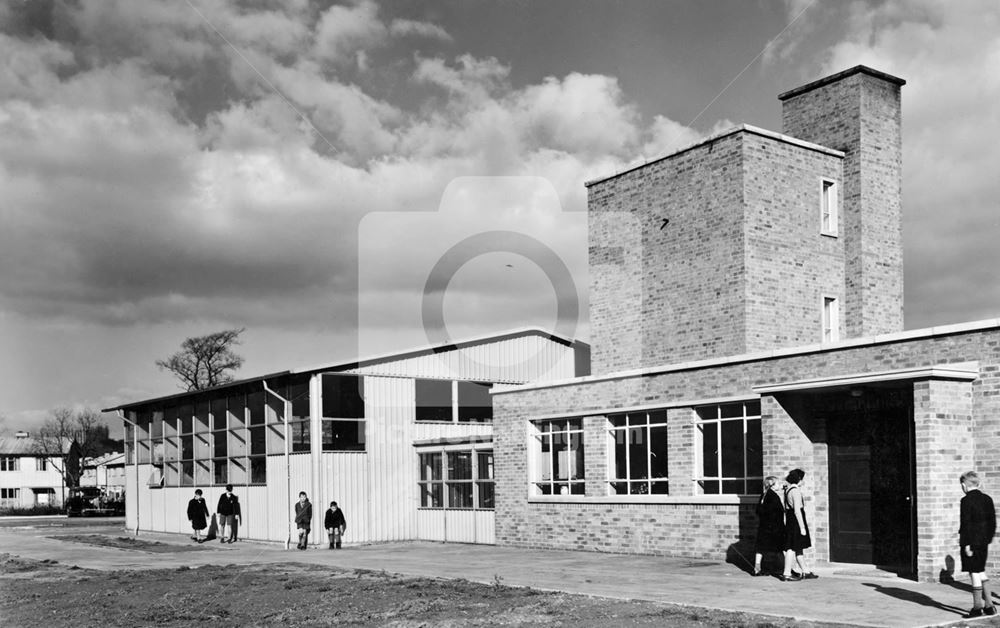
[747,319]
[402,442]
[746,310]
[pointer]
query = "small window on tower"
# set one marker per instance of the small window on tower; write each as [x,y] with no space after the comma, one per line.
[828,207]
[831,320]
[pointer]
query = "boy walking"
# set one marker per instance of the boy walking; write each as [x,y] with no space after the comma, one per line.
[977,525]
[335,524]
[229,514]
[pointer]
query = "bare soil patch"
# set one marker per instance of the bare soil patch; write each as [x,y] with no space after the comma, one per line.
[127,543]
[46,593]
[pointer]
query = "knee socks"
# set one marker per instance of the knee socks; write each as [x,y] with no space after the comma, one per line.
[986,593]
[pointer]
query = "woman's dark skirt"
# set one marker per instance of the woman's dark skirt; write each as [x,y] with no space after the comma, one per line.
[977,562]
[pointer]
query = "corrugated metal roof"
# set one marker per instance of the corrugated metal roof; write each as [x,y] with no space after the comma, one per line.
[367,361]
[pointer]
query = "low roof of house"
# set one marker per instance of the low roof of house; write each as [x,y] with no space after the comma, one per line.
[24,446]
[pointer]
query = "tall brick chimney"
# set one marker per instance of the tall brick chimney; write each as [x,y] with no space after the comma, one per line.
[857,111]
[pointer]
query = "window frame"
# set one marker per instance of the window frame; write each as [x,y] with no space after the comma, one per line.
[829,209]
[427,486]
[575,485]
[356,414]
[719,479]
[829,318]
[616,432]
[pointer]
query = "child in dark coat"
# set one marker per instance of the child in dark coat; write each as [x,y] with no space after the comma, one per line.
[303,519]
[335,524]
[977,525]
[770,523]
[197,514]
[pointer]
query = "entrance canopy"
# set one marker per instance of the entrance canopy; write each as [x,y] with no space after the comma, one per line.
[966,371]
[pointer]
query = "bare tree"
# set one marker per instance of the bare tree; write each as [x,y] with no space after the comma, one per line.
[205,361]
[69,436]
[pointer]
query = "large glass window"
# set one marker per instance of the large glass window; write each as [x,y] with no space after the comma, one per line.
[343,413]
[639,453]
[558,457]
[433,400]
[456,479]
[475,404]
[9,463]
[732,458]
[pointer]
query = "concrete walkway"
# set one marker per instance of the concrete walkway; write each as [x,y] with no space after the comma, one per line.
[841,595]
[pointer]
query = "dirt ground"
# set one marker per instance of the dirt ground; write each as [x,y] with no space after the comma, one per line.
[36,593]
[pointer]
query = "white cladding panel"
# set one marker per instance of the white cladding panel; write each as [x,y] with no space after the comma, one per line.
[431,524]
[158,511]
[485,527]
[518,359]
[456,526]
[343,479]
[131,496]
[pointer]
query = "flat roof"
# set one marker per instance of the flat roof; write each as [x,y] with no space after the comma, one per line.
[850,343]
[826,80]
[742,128]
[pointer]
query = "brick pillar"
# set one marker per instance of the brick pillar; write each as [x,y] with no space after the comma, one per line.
[595,455]
[680,451]
[791,440]
[942,417]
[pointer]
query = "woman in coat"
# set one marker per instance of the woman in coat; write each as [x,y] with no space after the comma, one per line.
[770,523]
[197,514]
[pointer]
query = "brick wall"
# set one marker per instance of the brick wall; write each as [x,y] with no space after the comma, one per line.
[790,264]
[740,266]
[858,112]
[787,443]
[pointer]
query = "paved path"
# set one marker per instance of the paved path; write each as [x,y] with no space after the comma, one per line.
[860,597]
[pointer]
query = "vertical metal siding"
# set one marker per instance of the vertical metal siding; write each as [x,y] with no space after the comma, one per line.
[157,510]
[431,525]
[520,359]
[485,527]
[279,504]
[131,497]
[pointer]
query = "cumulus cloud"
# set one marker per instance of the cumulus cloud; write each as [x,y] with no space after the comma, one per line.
[950,159]
[152,173]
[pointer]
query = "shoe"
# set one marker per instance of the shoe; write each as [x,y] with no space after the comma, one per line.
[809,576]
[976,612]
[792,578]
[338,545]
[990,610]
[757,572]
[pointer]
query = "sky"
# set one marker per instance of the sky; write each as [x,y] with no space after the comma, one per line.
[170,168]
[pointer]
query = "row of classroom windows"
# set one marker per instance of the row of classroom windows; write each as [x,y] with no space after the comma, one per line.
[452,479]
[728,438]
[251,424]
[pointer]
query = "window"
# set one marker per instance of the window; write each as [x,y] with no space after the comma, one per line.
[639,453]
[431,481]
[475,404]
[828,207]
[343,413]
[731,448]
[831,319]
[485,475]
[433,400]
[558,459]
[10,494]
[456,479]
[41,464]
[9,463]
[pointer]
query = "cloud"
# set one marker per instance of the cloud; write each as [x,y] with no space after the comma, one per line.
[402,28]
[150,176]
[950,159]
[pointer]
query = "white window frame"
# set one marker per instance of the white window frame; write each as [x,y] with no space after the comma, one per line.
[701,425]
[537,475]
[829,318]
[445,480]
[624,431]
[829,214]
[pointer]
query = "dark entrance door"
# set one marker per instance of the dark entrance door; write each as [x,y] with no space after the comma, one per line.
[872,509]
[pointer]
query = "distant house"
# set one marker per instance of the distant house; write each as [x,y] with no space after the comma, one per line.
[29,478]
[106,472]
